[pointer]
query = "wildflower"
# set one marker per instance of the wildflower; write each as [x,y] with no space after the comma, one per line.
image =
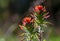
[38,8]
[26,20]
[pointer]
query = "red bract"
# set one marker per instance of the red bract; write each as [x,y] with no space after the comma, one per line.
[26,20]
[21,27]
[39,7]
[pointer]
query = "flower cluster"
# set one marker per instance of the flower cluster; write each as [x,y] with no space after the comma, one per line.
[26,20]
[29,24]
[39,9]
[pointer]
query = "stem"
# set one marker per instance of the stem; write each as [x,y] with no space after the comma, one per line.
[40,33]
[30,37]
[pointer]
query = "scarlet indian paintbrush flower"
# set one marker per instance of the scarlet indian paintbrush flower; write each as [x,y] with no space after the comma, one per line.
[26,20]
[38,8]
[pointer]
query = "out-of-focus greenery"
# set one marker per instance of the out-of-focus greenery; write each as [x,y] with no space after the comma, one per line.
[54,36]
[4,3]
[9,38]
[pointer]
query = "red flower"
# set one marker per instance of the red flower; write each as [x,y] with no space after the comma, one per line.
[38,8]
[26,20]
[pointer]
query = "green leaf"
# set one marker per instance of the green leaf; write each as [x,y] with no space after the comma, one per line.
[25,28]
